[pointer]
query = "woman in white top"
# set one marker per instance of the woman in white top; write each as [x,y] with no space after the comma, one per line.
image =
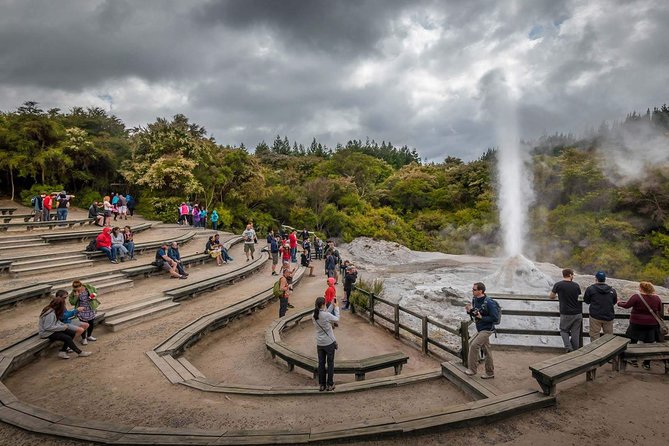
[326,344]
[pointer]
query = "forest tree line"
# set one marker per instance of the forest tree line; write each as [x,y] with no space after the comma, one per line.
[584,216]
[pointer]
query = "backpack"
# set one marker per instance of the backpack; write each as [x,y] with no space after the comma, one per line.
[491,301]
[33,200]
[277,292]
[92,246]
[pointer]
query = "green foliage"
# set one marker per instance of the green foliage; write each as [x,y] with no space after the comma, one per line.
[85,197]
[359,299]
[165,209]
[36,189]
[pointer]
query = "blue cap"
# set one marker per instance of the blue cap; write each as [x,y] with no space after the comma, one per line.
[600,276]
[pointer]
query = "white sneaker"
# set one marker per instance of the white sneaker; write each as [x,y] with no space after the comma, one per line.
[84,341]
[84,354]
[469,372]
[91,338]
[63,355]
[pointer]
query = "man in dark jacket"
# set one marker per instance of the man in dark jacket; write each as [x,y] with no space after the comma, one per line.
[601,298]
[484,312]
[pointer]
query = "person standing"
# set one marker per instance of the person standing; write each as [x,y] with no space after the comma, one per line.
[286,288]
[485,313]
[122,206]
[183,214]
[601,298]
[47,205]
[324,319]
[107,209]
[571,309]
[273,245]
[130,201]
[63,205]
[292,239]
[83,297]
[644,319]
[350,277]
[250,238]
[214,220]
[37,204]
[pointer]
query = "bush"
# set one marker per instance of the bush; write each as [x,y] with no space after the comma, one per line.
[360,299]
[85,197]
[36,189]
[163,209]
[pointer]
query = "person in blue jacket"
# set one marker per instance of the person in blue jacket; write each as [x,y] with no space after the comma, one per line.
[485,313]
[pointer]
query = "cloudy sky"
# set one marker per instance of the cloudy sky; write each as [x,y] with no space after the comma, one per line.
[411,72]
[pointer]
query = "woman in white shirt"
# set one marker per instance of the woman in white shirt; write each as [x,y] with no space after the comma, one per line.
[326,344]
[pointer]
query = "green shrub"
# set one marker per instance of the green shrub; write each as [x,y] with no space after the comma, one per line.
[85,197]
[36,189]
[163,209]
[360,299]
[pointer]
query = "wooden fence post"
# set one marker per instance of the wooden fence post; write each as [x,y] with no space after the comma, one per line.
[371,308]
[464,341]
[397,321]
[425,334]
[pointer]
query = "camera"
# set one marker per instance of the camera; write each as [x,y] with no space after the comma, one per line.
[474,312]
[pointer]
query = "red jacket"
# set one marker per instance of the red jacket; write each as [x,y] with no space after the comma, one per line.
[640,314]
[46,202]
[293,240]
[330,295]
[103,240]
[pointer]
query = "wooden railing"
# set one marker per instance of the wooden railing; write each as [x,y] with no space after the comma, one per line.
[428,325]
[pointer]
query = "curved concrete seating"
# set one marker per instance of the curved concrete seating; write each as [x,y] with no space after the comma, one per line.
[89,233]
[46,224]
[145,246]
[25,217]
[7,210]
[358,367]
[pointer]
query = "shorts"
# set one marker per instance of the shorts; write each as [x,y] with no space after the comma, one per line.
[249,247]
[123,209]
[275,258]
[73,324]
[166,266]
[108,213]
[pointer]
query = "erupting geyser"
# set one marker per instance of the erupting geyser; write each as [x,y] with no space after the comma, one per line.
[515,190]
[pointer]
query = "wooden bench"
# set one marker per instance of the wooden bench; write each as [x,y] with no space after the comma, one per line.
[145,246]
[48,224]
[11,297]
[647,352]
[83,235]
[584,360]
[9,211]
[25,217]
[357,367]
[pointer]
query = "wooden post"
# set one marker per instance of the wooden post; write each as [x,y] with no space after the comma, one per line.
[371,308]
[425,334]
[464,342]
[580,334]
[397,321]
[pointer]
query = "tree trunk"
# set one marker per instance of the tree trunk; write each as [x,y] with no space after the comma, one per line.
[11,179]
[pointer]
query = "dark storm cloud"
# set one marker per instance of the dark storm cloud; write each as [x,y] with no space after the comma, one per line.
[400,71]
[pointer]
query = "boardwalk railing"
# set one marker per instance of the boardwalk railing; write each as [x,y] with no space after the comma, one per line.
[431,333]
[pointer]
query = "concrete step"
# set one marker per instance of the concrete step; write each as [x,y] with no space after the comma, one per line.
[130,318]
[53,265]
[21,245]
[18,264]
[109,287]
[19,238]
[143,304]
[95,280]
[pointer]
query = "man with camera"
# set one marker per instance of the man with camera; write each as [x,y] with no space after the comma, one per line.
[286,286]
[484,313]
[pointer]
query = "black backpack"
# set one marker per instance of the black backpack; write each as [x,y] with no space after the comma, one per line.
[92,246]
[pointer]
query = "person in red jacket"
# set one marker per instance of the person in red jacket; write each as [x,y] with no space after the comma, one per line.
[292,238]
[47,204]
[331,295]
[103,243]
[643,325]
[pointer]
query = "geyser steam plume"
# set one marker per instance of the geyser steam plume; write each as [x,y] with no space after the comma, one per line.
[515,191]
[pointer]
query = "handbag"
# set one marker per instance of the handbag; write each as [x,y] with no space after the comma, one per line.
[158,262]
[664,329]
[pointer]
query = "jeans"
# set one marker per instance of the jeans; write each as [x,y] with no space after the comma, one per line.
[570,330]
[481,341]
[108,252]
[293,255]
[326,352]
[283,306]
[214,225]
[62,213]
[67,337]
[180,269]
[119,251]
[46,214]
[130,247]
[226,257]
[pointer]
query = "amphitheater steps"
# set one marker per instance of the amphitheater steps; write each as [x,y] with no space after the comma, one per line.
[7,245]
[127,316]
[41,265]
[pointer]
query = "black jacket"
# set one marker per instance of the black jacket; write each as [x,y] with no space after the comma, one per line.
[601,298]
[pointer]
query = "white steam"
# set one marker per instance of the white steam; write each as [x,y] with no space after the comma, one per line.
[515,188]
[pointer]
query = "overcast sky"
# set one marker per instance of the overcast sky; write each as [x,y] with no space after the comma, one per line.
[411,72]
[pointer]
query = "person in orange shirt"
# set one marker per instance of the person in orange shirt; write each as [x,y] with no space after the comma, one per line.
[331,294]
